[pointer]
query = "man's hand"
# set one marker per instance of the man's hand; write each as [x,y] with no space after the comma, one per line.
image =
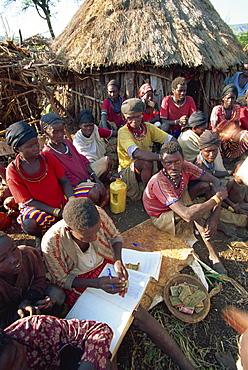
[183,121]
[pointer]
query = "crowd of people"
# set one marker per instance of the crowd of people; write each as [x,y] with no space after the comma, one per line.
[172,157]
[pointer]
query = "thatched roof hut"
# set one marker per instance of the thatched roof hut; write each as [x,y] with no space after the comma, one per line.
[161,32]
[162,37]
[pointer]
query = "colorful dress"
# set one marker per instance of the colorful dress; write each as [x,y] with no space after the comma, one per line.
[218,115]
[65,260]
[42,186]
[219,122]
[42,338]
[74,163]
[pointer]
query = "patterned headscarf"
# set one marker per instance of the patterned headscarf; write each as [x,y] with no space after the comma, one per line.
[144,89]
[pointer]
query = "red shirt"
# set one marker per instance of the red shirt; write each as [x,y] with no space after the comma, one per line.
[160,192]
[47,190]
[112,116]
[171,111]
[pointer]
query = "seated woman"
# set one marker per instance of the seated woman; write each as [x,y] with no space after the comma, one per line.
[111,107]
[226,117]
[38,342]
[23,287]
[77,167]
[209,148]
[244,114]
[37,181]
[190,135]
[151,113]
[209,143]
[88,142]
[77,248]
[228,111]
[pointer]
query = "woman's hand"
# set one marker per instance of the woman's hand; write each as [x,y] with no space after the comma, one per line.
[45,304]
[238,210]
[26,309]
[120,269]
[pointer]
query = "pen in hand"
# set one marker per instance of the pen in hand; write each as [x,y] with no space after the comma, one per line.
[110,275]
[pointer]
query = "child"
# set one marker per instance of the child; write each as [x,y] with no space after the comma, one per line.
[23,287]
[237,200]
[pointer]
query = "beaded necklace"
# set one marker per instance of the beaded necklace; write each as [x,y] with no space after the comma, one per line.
[116,109]
[57,151]
[138,134]
[181,182]
[43,170]
[207,164]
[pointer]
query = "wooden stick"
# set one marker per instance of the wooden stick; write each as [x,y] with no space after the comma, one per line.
[125,71]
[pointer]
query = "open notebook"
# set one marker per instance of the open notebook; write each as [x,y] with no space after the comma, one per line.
[116,311]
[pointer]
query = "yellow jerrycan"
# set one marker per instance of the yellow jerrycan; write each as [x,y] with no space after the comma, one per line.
[118,195]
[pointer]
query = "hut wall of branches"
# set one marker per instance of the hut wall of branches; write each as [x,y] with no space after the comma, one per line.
[88,90]
[136,41]
[28,81]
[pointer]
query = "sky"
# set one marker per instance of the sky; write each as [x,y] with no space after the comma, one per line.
[12,18]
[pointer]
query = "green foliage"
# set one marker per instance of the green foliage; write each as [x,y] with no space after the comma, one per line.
[42,7]
[243,38]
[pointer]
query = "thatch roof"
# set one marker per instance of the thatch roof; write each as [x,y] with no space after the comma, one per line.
[160,32]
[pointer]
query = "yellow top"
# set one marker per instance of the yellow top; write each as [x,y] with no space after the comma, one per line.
[127,139]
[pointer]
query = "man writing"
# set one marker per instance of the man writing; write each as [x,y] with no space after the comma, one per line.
[177,108]
[166,198]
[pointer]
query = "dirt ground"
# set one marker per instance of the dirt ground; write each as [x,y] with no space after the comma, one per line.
[199,341]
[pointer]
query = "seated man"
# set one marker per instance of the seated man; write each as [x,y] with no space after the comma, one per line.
[239,79]
[77,248]
[134,148]
[23,287]
[38,342]
[177,108]
[166,198]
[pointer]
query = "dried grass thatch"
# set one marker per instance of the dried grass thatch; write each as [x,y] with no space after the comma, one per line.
[160,32]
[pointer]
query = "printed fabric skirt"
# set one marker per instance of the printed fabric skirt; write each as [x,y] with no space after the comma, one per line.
[44,219]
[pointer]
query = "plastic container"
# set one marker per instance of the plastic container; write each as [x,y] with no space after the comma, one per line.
[118,196]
